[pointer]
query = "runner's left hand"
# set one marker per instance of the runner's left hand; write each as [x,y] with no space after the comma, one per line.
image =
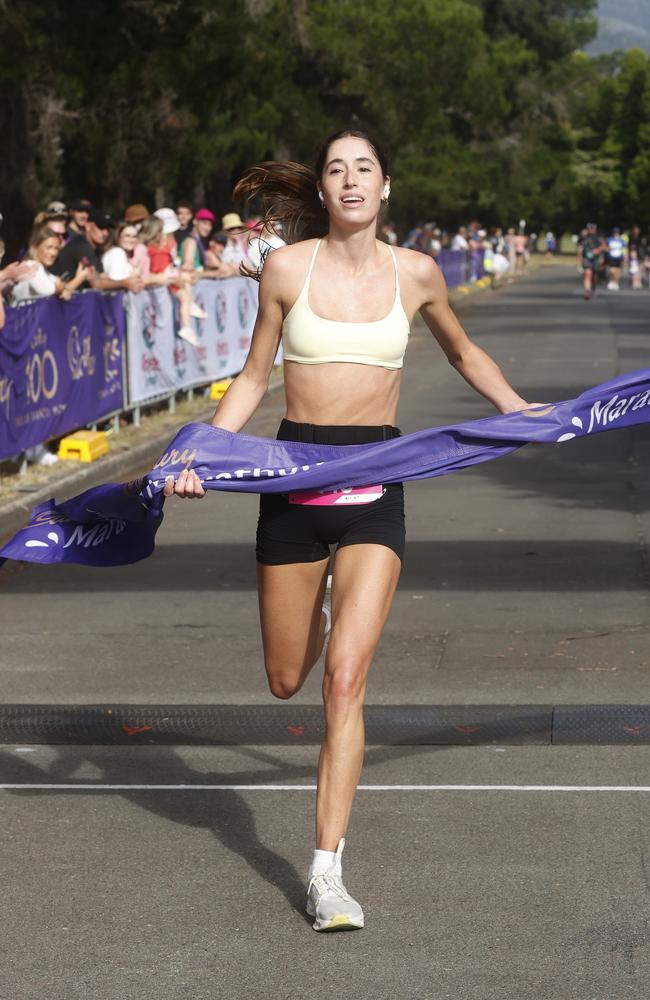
[187,486]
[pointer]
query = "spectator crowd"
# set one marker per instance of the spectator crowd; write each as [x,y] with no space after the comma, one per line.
[506,252]
[77,246]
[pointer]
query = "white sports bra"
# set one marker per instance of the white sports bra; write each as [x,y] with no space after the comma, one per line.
[311,340]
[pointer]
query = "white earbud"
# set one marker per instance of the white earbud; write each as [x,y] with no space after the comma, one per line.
[322,197]
[386,192]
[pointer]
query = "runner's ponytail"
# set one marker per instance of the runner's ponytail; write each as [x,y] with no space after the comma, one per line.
[287,194]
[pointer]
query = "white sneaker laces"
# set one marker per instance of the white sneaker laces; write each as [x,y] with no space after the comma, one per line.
[330,883]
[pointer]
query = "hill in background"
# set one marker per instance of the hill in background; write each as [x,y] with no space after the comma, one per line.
[624,24]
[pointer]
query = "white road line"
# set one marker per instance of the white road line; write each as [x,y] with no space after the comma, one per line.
[89,787]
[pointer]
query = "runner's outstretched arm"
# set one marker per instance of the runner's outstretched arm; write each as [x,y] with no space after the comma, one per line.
[477,368]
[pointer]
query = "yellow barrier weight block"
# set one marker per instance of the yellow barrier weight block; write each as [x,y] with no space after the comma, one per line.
[84,446]
[217,389]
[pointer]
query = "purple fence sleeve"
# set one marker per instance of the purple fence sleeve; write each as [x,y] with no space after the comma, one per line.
[60,367]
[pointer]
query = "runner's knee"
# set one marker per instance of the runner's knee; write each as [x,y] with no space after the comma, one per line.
[344,684]
[283,687]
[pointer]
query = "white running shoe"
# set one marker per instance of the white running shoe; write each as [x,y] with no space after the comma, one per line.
[327,607]
[330,903]
[327,611]
[197,311]
[39,455]
[188,334]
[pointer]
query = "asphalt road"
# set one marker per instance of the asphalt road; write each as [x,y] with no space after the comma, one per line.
[525,582]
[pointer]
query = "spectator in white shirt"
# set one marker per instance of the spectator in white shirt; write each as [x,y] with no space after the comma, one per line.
[459,241]
[43,250]
[127,257]
[262,240]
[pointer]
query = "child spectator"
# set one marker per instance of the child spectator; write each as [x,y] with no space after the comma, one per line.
[634,267]
[161,248]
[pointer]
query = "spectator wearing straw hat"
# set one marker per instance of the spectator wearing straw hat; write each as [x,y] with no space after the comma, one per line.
[136,215]
[236,250]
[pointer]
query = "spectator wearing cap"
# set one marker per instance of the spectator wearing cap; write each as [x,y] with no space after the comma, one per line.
[136,214]
[88,249]
[185,214]
[193,248]
[78,209]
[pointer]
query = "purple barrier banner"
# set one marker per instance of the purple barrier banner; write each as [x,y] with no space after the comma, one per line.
[160,362]
[60,367]
[452,263]
[476,269]
[459,266]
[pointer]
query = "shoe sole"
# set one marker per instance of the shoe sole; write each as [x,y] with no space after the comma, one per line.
[339,922]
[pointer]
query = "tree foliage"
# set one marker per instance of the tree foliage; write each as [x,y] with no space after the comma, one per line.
[486,106]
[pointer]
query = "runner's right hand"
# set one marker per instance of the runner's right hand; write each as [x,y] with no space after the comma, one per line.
[187,486]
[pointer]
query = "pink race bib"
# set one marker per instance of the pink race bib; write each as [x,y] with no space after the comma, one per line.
[337,498]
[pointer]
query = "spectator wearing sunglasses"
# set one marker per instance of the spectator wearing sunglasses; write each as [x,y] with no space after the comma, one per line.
[88,249]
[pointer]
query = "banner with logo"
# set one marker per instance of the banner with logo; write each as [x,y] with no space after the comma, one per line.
[151,344]
[111,525]
[160,362]
[225,335]
[60,367]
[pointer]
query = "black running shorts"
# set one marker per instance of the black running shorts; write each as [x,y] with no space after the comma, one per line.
[292,533]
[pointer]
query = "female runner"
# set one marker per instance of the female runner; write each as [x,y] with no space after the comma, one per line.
[341,305]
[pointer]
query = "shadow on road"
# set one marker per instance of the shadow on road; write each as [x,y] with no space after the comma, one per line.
[225,814]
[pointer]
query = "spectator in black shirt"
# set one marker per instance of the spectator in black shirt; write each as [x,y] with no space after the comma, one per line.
[185,214]
[87,249]
[78,210]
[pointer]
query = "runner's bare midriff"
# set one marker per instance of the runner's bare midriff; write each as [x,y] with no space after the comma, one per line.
[341,393]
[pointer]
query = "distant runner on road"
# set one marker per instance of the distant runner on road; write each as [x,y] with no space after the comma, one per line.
[615,258]
[590,257]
